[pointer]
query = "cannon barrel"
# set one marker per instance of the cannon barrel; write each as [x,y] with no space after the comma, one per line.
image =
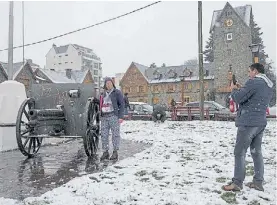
[46,113]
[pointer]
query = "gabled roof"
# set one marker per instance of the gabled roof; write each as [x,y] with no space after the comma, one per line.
[2,70]
[77,76]
[179,70]
[17,67]
[82,47]
[142,69]
[166,72]
[61,49]
[243,12]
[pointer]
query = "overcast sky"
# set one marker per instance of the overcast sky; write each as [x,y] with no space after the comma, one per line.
[164,33]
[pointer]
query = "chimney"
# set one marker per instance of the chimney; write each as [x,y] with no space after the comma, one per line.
[68,73]
[52,69]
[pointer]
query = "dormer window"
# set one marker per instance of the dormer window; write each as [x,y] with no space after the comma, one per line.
[160,76]
[187,72]
[156,75]
[172,74]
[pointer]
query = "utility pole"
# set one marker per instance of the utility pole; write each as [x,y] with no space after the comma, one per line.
[23,35]
[200,59]
[10,52]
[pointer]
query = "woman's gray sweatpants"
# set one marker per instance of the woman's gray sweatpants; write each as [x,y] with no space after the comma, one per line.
[110,122]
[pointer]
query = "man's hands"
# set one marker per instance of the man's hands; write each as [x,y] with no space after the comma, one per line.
[120,121]
[237,86]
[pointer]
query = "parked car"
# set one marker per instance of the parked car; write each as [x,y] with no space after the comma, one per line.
[214,109]
[140,111]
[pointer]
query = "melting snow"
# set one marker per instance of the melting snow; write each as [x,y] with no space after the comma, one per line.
[187,164]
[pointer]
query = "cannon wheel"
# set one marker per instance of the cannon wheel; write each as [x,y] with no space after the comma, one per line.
[92,128]
[28,146]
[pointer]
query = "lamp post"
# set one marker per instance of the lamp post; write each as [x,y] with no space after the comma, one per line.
[255,49]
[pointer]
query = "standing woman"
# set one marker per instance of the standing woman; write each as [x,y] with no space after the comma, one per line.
[112,112]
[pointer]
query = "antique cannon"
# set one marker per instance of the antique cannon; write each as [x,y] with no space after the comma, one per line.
[58,111]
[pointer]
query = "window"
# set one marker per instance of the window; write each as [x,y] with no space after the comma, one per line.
[127,90]
[229,51]
[141,89]
[188,86]
[66,62]
[95,72]
[60,63]
[228,13]
[186,99]
[71,62]
[229,36]
[156,88]
[171,88]
[60,56]
[66,54]
[96,65]
[95,79]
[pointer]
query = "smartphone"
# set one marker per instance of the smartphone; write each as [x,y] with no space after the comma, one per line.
[234,79]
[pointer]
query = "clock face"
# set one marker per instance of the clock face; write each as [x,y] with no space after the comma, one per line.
[229,22]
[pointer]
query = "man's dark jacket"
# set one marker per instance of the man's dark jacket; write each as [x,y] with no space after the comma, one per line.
[253,100]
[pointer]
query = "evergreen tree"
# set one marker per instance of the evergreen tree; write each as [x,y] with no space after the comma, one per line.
[209,52]
[163,65]
[257,39]
[153,65]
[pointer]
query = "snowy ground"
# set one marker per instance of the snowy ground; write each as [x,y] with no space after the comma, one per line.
[187,165]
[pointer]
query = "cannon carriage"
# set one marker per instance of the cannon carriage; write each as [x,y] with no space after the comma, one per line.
[58,111]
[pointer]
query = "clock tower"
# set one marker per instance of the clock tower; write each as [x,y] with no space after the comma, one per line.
[232,37]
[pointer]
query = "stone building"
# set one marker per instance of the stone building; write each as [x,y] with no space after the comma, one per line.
[161,85]
[231,33]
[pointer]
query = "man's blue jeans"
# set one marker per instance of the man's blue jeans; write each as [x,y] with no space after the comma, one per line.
[249,136]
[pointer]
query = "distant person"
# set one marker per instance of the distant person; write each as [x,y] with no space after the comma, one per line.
[253,100]
[127,104]
[173,103]
[159,113]
[112,112]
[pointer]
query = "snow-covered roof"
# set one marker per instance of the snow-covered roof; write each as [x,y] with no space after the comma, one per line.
[193,78]
[242,11]
[60,49]
[17,67]
[77,76]
[173,73]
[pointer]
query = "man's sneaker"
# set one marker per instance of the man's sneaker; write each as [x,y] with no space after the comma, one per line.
[231,187]
[256,186]
[105,155]
[114,155]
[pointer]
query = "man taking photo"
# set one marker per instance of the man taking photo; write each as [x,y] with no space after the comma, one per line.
[253,99]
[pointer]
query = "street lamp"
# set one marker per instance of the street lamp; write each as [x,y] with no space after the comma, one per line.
[255,49]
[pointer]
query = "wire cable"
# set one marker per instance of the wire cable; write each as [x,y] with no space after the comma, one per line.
[81,29]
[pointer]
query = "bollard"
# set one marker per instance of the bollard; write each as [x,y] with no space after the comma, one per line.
[12,94]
